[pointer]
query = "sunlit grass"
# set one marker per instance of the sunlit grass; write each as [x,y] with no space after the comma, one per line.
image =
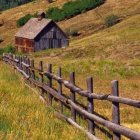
[24,116]
[103,72]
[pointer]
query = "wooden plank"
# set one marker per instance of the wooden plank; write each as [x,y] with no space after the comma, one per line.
[25,64]
[83,93]
[69,120]
[50,90]
[108,124]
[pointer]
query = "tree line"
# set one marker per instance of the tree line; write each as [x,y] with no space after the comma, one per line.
[7,4]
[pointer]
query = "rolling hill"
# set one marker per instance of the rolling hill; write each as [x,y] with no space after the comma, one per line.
[104,53]
[86,23]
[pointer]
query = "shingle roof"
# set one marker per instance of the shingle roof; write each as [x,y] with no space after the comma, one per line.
[32,28]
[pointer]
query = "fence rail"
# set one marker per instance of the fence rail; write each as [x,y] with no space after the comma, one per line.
[26,66]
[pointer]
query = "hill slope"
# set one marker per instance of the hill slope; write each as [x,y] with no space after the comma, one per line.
[104,53]
[4,5]
[86,23]
[24,116]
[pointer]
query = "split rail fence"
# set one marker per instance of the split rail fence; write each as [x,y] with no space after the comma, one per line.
[26,66]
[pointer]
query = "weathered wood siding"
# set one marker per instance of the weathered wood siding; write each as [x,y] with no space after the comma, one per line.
[51,37]
[24,45]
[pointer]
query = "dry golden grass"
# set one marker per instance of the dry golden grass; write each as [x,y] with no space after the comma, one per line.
[108,54]
[103,71]
[10,17]
[24,116]
[86,23]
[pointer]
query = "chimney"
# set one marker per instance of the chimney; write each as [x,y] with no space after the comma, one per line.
[41,15]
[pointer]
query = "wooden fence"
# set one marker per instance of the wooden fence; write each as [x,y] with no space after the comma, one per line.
[26,66]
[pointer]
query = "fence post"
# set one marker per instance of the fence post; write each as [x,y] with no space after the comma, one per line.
[33,72]
[50,82]
[26,69]
[29,72]
[72,96]
[20,62]
[60,89]
[115,108]
[23,62]
[90,107]
[12,60]
[41,76]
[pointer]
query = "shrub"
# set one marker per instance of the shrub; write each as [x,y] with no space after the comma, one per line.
[72,8]
[111,20]
[55,13]
[23,20]
[10,49]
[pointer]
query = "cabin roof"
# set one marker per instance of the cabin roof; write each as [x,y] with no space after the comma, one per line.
[32,28]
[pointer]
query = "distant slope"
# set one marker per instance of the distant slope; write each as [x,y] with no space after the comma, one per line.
[4,5]
[86,23]
[12,15]
[121,41]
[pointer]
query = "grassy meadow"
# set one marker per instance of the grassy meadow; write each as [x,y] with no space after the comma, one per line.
[24,116]
[104,53]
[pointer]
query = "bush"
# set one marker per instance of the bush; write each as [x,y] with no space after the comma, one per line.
[72,8]
[23,20]
[8,49]
[55,13]
[111,20]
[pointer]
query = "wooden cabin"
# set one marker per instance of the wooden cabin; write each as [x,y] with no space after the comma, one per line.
[40,34]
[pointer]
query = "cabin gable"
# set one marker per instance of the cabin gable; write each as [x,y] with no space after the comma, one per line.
[51,37]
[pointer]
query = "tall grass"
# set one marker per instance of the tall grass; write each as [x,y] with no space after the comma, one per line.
[103,72]
[24,116]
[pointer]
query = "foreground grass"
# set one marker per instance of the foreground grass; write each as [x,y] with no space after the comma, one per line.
[24,116]
[103,72]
